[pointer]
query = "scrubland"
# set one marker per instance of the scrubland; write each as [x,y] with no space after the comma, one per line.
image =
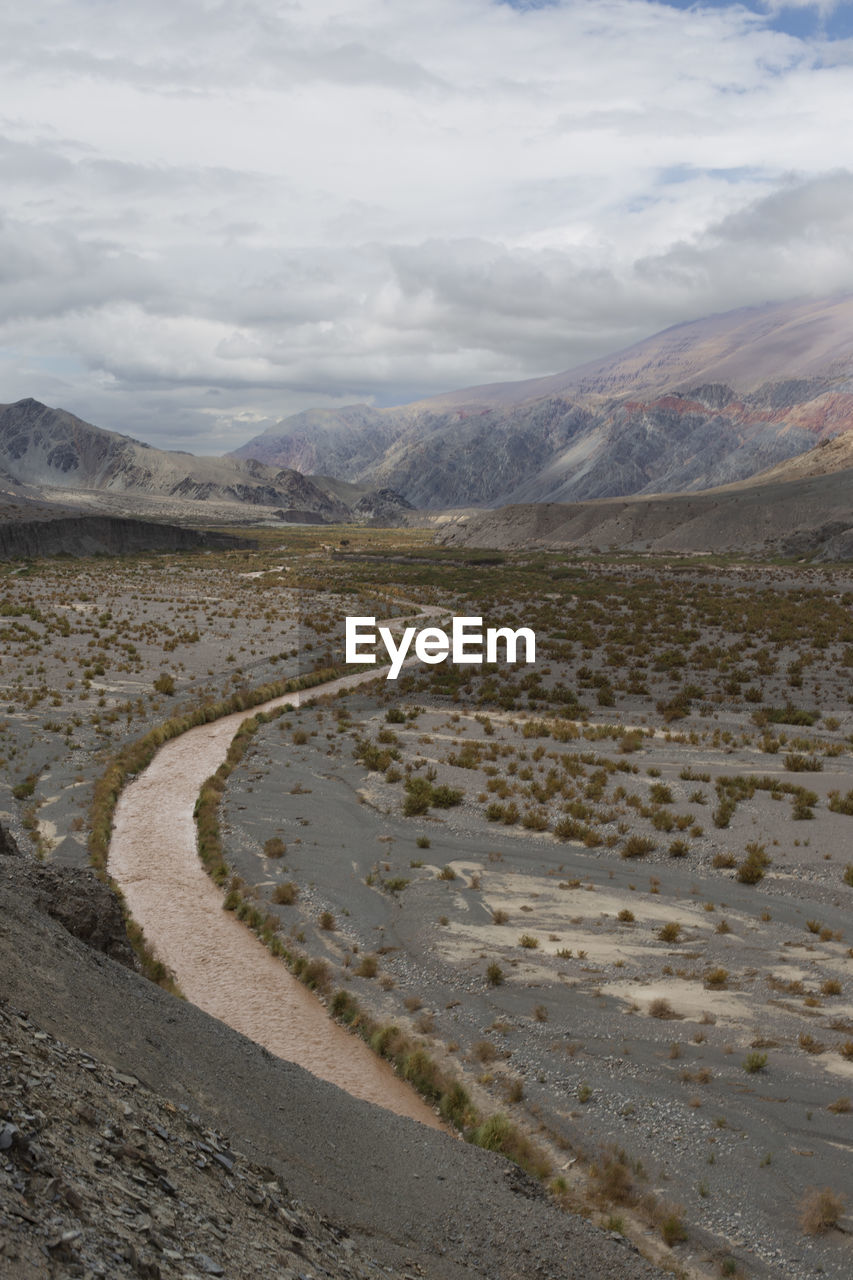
[608,894]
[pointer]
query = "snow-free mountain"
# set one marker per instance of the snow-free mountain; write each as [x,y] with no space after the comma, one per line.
[701,404]
[46,451]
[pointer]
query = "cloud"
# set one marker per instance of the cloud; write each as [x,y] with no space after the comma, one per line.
[216,213]
[823,7]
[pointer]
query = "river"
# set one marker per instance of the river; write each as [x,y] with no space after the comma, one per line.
[218,963]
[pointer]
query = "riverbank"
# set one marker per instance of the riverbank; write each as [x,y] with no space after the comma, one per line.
[139,1093]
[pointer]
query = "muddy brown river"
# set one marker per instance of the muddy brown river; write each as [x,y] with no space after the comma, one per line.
[219,964]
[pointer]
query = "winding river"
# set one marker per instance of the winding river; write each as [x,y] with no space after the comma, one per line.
[219,964]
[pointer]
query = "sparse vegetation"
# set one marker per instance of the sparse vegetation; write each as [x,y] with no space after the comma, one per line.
[820,1209]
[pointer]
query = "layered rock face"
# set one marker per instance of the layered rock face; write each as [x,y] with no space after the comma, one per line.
[699,405]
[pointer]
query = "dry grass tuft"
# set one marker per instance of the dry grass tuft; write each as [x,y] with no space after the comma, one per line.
[820,1209]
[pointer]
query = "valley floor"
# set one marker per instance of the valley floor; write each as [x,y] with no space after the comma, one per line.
[610,892]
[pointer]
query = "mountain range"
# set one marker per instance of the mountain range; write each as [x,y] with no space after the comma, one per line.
[699,405]
[46,451]
[720,402]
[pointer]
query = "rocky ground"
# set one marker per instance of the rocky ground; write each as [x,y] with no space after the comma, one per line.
[661,670]
[91,658]
[139,1137]
[643,999]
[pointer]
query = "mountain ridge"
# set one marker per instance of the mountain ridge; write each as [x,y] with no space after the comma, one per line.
[701,404]
[44,449]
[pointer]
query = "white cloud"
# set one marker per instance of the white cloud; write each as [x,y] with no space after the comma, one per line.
[823,7]
[221,211]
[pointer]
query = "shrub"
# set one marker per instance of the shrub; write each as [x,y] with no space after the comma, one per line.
[841,804]
[421,1071]
[275,847]
[344,1006]
[791,715]
[422,842]
[820,1209]
[754,1062]
[660,793]
[672,1228]
[626,916]
[418,796]
[455,1106]
[368,968]
[23,790]
[514,1089]
[499,1134]
[494,974]
[662,820]
[327,921]
[165,683]
[716,979]
[670,932]
[527,940]
[636,846]
[284,895]
[752,869]
[661,1008]
[447,873]
[446,797]
[317,975]
[796,762]
[535,820]
[396,884]
[484,1051]
[614,1182]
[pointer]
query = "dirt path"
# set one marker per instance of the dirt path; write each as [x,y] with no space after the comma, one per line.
[218,963]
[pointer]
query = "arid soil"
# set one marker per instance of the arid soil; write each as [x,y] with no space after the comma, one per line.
[659,1001]
[677,1031]
[140,1137]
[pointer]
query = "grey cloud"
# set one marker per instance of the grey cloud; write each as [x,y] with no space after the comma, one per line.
[263,226]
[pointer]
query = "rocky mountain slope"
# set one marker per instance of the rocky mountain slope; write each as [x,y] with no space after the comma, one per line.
[701,404]
[44,450]
[141,1138]
[796,511]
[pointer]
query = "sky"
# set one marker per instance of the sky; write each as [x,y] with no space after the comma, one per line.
[217,213]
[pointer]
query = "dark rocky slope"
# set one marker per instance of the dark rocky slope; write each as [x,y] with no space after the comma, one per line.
[91,535]
[811,517]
